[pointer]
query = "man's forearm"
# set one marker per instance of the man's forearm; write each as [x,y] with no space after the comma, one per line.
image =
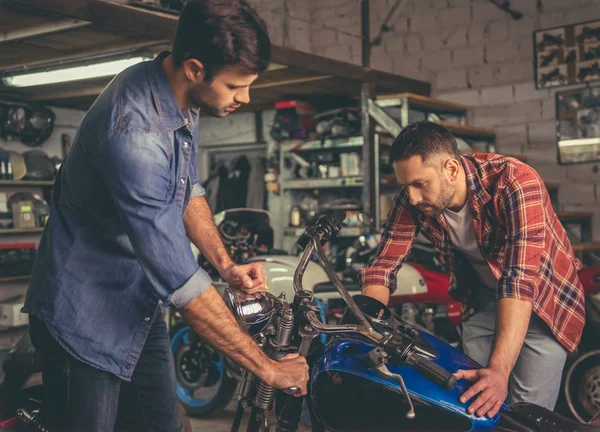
[512,322]
[209,316]
[201,230]
[378,292]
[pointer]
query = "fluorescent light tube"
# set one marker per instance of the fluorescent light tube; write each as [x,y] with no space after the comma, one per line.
[76,73]
[579,142]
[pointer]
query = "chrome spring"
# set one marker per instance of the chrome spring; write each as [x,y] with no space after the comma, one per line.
[31,420]
[265,394]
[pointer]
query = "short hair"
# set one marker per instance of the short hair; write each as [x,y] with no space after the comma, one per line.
[423,139]
[221,33]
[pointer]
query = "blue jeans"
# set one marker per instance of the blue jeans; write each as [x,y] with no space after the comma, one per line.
[78,397]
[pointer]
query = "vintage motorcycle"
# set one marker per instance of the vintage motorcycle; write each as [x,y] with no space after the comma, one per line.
[377,372]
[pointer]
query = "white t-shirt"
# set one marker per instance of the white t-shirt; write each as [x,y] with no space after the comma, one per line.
[462,234]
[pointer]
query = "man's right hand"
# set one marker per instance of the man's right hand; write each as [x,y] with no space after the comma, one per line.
[290,371]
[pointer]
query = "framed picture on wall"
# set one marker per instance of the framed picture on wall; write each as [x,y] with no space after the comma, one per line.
[578,125]
[567,55]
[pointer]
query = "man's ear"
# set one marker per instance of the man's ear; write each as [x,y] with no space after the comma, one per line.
[452,168]
[194,70]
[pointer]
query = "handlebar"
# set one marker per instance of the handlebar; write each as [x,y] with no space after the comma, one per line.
[432,371]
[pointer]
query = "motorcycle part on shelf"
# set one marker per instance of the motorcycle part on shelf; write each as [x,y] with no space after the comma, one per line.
[41,209]
[39,165]
[17,162]
[293,120]
[32,124]
[16,259]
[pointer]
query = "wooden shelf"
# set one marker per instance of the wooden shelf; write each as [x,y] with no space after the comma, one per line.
[339,182]
[422,102]
[574,216]
[14,279]
[10,231]
[587,246]
[469,131]
[26,183]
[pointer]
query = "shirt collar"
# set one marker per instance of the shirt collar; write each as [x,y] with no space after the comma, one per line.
[479,195]
[164,98]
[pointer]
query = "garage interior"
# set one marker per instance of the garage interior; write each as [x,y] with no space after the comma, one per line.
[346,76]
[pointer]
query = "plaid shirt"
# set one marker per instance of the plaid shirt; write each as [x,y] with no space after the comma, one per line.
[518,233]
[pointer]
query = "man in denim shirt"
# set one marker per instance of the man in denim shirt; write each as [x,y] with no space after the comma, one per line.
[125,205]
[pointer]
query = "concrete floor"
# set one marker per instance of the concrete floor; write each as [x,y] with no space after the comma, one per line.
[222,422]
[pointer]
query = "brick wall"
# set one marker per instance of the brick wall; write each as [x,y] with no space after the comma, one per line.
[471,52]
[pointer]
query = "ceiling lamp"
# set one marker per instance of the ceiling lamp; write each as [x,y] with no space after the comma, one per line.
[72,73]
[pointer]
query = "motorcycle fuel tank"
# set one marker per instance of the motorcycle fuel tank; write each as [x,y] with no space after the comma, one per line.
[347,394]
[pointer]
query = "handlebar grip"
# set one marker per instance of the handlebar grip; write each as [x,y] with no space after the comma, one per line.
[434,372]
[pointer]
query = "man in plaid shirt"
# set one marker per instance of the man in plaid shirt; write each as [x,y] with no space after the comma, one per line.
[513,266]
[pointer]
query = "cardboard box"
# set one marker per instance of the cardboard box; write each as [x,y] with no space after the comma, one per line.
[10,313]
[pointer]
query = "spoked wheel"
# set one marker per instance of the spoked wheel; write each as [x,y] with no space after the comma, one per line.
[582,386]
[203,386]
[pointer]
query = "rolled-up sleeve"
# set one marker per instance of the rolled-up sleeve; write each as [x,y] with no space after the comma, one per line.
[135,165]
[522,201]
[396,242]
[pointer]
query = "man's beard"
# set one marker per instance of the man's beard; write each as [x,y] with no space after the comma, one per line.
[437,208]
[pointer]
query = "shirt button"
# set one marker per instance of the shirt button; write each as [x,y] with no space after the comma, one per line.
[186,144]
[128,366]
[187,122]
[147,319]
[182,180]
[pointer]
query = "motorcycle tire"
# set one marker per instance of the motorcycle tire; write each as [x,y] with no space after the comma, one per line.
[187,380]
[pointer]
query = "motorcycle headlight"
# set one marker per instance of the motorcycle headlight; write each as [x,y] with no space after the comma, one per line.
[253,311]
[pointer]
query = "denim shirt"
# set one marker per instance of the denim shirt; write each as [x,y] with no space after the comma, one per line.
[115,248]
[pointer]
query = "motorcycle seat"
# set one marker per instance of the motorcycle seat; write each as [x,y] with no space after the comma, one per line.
[545,420]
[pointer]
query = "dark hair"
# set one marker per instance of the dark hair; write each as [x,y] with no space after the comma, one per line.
[221,33]
[423,139]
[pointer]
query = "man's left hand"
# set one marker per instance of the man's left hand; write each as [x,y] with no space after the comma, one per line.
[492,387]
[249,277]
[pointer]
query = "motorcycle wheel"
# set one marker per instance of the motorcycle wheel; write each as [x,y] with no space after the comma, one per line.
[203,385]
[582,386]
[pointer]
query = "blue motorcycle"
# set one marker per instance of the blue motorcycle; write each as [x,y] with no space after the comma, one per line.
[376,372]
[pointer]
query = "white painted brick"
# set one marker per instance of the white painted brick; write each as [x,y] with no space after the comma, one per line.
[472,56]
[450,79]
[551,19]
[440,61]
[465,97]
[407,65]
[434,42]
[542,133]
[235,128]
[394,45]
[476,34]
[481,77]
[525,112]
[300,36]
[457,38]
[523,27]
[324,37]
[556,5]
[511,139]
[422,23]
[497,95]
[348,38]
[381,60]
[458,3]
[549,109]
[575,15]
[427,6]
[500,52]
[527,91]
[490,116]
[525,50]
[583,173]
[338,52]
[551,172]
[322,14]
[513,72]
[571,192]
[539,155]
[497,30]
[454,17]
[413,43]
[485,11]
[339,21]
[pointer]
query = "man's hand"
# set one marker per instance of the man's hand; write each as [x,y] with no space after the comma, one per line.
[492,387]
[250,277]
[290,371]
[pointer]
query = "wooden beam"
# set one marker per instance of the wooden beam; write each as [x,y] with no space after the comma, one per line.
[51,27]
[270,84]
[136,21]
[65,94]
